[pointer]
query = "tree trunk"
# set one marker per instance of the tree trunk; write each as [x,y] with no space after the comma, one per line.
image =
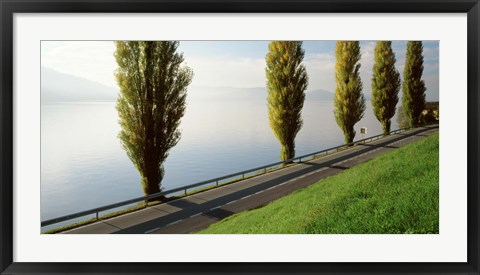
[288,151]
[349,134]
[151,182]
[386,127]
[149,186]
[152,186]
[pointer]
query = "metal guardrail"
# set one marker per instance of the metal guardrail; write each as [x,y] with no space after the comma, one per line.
[265,168]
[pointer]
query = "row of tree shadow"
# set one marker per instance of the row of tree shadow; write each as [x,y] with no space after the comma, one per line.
[153,87]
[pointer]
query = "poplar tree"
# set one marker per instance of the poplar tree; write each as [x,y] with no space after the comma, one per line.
[413,99]
[385,84]
[287,81]
[349,101]
[151,103]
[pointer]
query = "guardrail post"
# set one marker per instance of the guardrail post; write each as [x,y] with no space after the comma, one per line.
[96,214]
[216,182]
[185,192]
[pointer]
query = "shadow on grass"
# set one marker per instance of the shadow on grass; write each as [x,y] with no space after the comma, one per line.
[189,209]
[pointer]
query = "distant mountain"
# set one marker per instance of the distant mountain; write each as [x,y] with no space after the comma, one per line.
[60,87]
[319,95]
[325,95]
[231,93]
[257,93]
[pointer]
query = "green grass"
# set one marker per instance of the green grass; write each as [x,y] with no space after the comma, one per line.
[395,193]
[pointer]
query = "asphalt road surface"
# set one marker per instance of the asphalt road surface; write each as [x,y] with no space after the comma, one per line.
[198,211]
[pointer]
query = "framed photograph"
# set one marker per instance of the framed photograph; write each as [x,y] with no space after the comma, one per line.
[253,137]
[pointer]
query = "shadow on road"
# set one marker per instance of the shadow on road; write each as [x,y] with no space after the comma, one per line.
[189,208]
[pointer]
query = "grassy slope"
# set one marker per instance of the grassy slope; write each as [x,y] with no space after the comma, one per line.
[396,192]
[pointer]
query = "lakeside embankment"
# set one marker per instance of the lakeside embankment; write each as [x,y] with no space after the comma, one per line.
[394,193]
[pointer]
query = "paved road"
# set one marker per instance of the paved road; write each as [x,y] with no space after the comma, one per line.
[195,212]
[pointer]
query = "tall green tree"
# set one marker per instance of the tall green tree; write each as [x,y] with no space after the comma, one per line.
[401,120]
[385,84]
[413,99]
[349,101]
[153,86]
[287,81]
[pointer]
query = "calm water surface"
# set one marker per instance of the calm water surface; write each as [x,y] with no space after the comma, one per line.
[84,165]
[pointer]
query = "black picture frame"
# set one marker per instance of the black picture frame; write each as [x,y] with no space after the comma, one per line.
[9,7]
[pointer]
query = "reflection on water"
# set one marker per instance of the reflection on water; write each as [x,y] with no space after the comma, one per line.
[84,166]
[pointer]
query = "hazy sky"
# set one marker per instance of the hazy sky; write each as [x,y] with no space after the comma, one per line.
[232,63]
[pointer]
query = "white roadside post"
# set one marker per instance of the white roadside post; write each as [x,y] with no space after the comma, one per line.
[363,131]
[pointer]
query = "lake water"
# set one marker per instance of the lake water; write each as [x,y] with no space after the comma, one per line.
[84,166]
